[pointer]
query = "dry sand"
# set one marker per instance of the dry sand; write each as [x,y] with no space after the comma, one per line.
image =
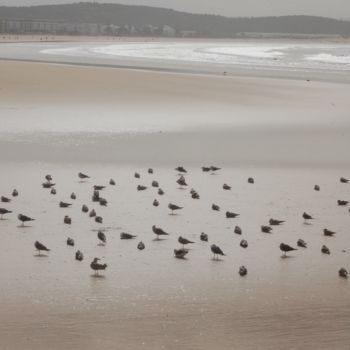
[110,122]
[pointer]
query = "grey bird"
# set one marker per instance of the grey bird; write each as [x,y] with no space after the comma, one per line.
[204,237]
[141,246]
[160,192]
[159,232]
[342,203]
[286,248]
[67,220]
[243,271]
[48,184]
[95,196]
[181,169]
[83,176]
[14,193]
[184,241]
[125,235]
[155,203]
[73,196]
[96,266]
[70,242]
[53,191]
[137,175]
[112,182]
[79,255]
[250,180]
[231,215]
[214,168]
[150,171]
[275,222]
[180,253]
[306,216]
[343,273]
[325,250]
[174,207]
[141,188]
[24,218]
[4,211]
[92,213]
[194,194]
[206,169]
[84,208]
[237,230]
[215,207]
[316,187]
[103,202]
[226,187]
[329,233]
[48,177]
[344,180]
[99,187]
[40,247]
[216,251]
[266,229]
[5,199]
[99,219]
[102,237]
[301,243]
[182,181]
[155,183]
[243,243]
[64,205]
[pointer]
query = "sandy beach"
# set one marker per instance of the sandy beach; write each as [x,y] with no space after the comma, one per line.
[108,122]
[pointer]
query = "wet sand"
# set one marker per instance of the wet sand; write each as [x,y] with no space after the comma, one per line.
[287,134]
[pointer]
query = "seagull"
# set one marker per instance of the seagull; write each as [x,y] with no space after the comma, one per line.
[184,241]
[125,235]
[343,273]
[237,230]
[342,203]
[48,177]
[92,213]
[67,220]
[155,203]
[24,218]
[274,222]
[206,169]
[141,188]
[243,243]
[182,181]
[286,248]
[250,180]
[231,215]
[155,183]
[344,180]
[103,202]
[266,229]
[150,171]
[102,237]
[180,253]
[242,271]
[83,176]
[5,199]
[84,208]
[4,211]
[216,251]
[97,266]
[73,196]
[316,187]
[159,232]
[141,246]
[79,255]
[99,187]
[301,243]
[325,250]
[112,182]
[99,219]
[48,184]
[215,207]
[39,247]
[181,169]
[173,207]
[160,192]
[226,187]
[194,194]
[53,191]
[329,233]
[137,175]
[70,241]
[96,196]
[214,168]
[306,216]
[64,204]
[204,237]
[14,193]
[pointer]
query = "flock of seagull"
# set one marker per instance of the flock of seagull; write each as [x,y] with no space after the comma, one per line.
[180,253]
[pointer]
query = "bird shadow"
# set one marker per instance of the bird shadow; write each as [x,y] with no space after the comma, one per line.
[308,223]
[97,276]
[180,257]
[174,214]
[24,226]
[287,257]
[158,239]
[217,260]
[101,244]
[41,255]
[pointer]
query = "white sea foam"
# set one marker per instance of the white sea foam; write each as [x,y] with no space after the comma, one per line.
[328,58]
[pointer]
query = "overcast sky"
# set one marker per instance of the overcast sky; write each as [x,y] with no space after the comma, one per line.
[328,8]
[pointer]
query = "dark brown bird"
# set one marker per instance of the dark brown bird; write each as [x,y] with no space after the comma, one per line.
[150,171]
[137,175]
[286,248]
[174,207]
[204,237]
[79,255]
[102,237]
[306,216]
[155,183]
[226,187]
[4,211]
[274,222]
[215,207]
[48,184]
[48,177]
[180,253]
[243,271]
[231,215]
[155,203]
[344,180]
[237,230]
[243,243]
[67,220]
[160,192]
[181,169]
[266,229]
[182,181]
[84,208]
[329,233]
[112,182]
[141,246]
[96,266]
[184,241]
[103,202]
[216,251]
[343,273]
[24,218]
[5,199]
[73,196]
[317,188]
[325,250]
[92,213]
[53,191]
[95,196]
[342,203]
[159,232]
[99,219]
[70,242]
[125,235]
[301,243]
[14,193]
[250,180]
[99,187]
[83,176]
[64,205]
[40,247]
[141,188]
[214,168]
[206,169]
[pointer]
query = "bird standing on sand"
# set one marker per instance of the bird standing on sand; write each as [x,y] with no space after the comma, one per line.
[141,246]
[79,255]
[64,205]
[306,216]
[155,183]
[5,199]
[83,176]
[84,208]
[53,191]
[96,266]
[24,218]
[214,169]
[4,211]
[237,230]
[243,243]
[226,187]
[125,235]
[73,196]
[99,187]
[160,192]
[70,242]
[40,247]
[205,169]
[137,175]
[242,271]
[250,180]
[344,180]
[182,181]
[343,273]
[215,207]
[316,187]
[274,222]
[99,219]
[286,248]
[112,182]
[155,203]
[216,251]
[342,203]
[184,241]
[48,178]
[180,253]
[325,250]
[204,237]
[102,237]
[159,232]
[181,169]
[48,184]
[14,193]
[173,207]
[231,215]
[67,220]
[266,229]
[328,233]
[141,188]
[301,243]
[150,171]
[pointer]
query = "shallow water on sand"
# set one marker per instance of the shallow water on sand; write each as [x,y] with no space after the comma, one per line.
[148,299]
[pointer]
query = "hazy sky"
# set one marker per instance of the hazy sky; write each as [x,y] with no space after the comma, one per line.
[329,8]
